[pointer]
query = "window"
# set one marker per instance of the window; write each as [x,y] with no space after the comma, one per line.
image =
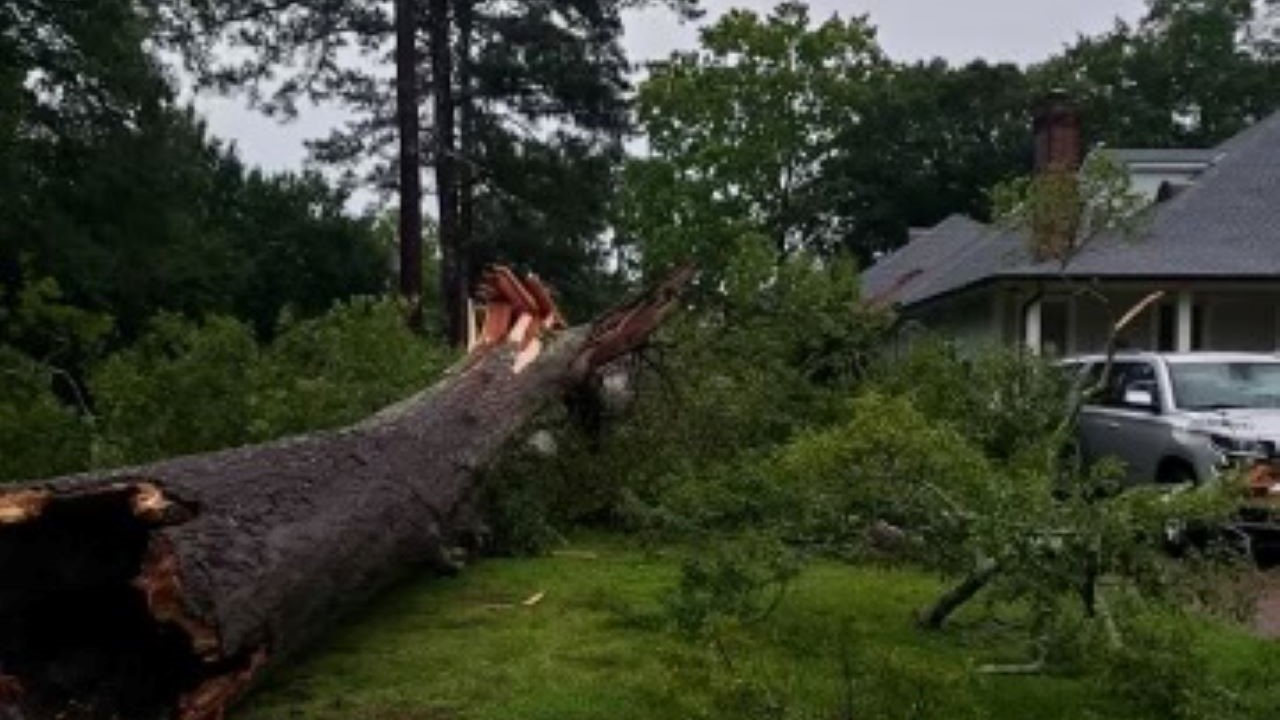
[1223,385]
[1128,376]
[1167,334]
[1053,328]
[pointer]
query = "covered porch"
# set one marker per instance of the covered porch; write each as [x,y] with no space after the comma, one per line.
[1061,319]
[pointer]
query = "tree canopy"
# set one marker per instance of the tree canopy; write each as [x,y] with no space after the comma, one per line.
[785,133]
[115,189]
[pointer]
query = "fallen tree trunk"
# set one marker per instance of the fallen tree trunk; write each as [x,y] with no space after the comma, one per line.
[163,591]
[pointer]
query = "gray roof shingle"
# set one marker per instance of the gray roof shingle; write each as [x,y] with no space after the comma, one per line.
[907,275]
[1226,225]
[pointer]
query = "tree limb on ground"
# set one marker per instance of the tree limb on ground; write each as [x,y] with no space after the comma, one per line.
[987,569]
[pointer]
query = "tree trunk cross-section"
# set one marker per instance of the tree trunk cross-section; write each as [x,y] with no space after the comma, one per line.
[162,591]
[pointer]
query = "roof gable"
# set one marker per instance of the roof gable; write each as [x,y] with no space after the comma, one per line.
[1225,225]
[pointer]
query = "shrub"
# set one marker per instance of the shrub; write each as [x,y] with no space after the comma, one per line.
[733,582]
[1005,401]
[189,386]
[184,387]
[339,367]
[40,434]
[44,427]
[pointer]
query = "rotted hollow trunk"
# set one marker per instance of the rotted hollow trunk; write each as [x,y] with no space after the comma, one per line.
[163,591]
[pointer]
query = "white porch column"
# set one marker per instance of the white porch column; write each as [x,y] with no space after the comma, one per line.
[1183,338]
[1032,331]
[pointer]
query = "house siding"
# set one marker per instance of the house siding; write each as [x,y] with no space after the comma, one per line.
[1242,323]
[970,322]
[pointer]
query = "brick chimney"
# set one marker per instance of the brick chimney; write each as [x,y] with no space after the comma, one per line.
[1056,216]
[1056,126]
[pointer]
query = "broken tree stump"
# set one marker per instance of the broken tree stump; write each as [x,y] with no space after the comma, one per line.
[163,591]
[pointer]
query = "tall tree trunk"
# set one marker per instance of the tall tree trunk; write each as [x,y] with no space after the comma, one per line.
[453,267]
[467,138]
[410,229]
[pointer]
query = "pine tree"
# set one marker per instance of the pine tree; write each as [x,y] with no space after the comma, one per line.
[522,96]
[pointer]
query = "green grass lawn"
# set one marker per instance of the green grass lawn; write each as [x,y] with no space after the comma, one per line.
[596,646]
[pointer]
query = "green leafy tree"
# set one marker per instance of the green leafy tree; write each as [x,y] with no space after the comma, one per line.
[45,424]
[297,248]
[741,133]
[118,192]
[1191,73]
[1061,212]
[182,388]
[189,386]
[928,143]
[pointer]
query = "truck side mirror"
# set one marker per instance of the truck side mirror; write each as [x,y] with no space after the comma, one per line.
[1140,397]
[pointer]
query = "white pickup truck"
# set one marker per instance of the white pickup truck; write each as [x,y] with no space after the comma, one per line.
[1185,417]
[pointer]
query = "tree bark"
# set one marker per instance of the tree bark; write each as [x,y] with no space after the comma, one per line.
[466,100]
[453,266]
[410,225]
[163,591]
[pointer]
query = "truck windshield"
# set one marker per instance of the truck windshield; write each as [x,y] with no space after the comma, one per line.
[1224,385]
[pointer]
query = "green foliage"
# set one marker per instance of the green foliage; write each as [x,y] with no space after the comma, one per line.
[526,197]
[798,134]
[740,133]
[38,319]
[961,455]
[128,203]
[40,434]
[731,584]
[929,140]
[184,387]
[44,426]
[720,386]
[1163,670]
[840,647]
[1190,73]
[1006,403]
[888,462]
[1064,212]
[340,367]
[188,387]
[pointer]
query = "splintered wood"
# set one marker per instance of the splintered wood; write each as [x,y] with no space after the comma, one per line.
[161,589]
[22,506]
[210,700]
[513,310]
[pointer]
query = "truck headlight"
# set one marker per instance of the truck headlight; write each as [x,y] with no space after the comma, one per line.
[1241,448]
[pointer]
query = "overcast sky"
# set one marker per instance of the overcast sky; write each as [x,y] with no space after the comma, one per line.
[959,30]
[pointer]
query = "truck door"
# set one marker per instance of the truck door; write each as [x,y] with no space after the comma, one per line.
[1114,426]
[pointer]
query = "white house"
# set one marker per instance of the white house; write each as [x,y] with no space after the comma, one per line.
[1212,243]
